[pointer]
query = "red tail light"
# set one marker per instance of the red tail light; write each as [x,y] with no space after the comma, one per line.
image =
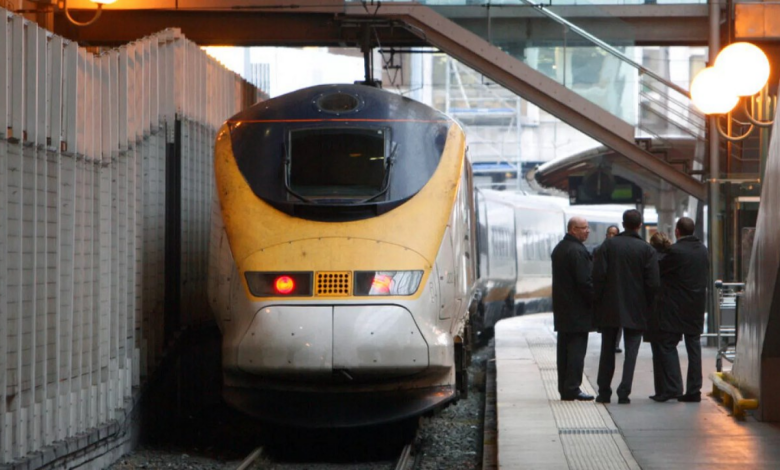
[275,284]
[284,285]
[381,284]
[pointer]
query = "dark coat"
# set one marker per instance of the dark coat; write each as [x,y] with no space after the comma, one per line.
[684,279]
[653,332]
[572,287]
[625,281]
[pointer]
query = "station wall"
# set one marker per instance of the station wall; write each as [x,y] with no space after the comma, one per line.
[758,351]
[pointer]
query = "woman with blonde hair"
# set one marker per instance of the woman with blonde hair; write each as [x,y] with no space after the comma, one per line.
[661,242]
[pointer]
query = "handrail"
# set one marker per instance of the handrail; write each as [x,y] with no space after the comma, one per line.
[643,70]
[687,105]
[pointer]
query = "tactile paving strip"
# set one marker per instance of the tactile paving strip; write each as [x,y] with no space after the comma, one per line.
[589,437]
[593,451]
[545,355]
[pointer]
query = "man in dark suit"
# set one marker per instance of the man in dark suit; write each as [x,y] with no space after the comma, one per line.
[684,277]
[572,315]
[625,282]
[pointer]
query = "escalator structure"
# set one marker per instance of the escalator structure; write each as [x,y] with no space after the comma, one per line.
[647,124]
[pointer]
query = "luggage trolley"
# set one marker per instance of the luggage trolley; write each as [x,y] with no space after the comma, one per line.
[726,321]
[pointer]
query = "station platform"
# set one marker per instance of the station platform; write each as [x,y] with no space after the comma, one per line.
[536,430]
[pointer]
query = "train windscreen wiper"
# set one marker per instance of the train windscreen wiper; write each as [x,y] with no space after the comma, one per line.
[287,163]
[386,183]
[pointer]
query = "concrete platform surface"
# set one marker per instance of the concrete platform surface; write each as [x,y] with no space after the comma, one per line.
[536,430]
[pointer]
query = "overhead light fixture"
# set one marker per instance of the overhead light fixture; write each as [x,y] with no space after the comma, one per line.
[63,5]
[741,72]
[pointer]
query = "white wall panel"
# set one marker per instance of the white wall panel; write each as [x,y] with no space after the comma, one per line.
[5,60]
[82,220]
[5,428]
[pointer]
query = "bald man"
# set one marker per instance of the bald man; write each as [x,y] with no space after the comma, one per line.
[572,315]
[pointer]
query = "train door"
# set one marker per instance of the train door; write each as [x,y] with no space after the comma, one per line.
[465,244]
[482,237]
[445,268]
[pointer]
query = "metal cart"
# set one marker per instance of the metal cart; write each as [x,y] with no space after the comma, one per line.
[726,321]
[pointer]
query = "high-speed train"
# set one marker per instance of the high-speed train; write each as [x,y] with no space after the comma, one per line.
[343,257]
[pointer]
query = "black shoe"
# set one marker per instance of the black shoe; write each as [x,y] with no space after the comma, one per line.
[618,350]
[624,401]
[579,397]
[660,398]
[602,399]
[690,397]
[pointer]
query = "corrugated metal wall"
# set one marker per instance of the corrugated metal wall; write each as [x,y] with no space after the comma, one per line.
[85,143]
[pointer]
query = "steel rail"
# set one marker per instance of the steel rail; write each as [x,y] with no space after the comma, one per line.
[250,459]
[404,459]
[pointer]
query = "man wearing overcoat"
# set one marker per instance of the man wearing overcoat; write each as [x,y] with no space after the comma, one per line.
[684,278]
[625,282]
[572,314]
[612,231]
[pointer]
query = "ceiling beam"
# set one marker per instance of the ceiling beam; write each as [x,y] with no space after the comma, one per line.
[212,24]
[234,28]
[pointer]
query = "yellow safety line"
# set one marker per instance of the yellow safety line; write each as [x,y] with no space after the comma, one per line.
[730,395]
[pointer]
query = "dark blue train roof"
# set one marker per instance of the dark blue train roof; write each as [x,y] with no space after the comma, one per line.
[261,137]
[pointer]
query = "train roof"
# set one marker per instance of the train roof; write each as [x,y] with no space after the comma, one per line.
[600,213]
[340,102]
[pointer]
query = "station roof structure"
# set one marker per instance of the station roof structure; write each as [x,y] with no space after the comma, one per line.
[462,33]
[321,23]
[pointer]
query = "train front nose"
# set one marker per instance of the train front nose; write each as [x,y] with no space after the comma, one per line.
[312,341]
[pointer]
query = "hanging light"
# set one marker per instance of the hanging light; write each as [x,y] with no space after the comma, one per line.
[710,92]
[744,67]
[63,5]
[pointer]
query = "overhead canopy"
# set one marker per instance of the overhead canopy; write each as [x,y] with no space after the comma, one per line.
[677,152]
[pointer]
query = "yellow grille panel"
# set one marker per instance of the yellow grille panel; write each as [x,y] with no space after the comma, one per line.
[333,283]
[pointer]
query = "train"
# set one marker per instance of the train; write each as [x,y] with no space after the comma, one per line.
[353,262]
[342,257]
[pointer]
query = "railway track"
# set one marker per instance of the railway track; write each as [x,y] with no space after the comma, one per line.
[223,439]
[250,459]
[408,459]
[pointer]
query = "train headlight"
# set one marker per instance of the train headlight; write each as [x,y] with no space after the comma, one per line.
[293,284]
[284,284]
[387,282]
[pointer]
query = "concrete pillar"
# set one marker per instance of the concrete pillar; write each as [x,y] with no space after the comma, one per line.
[666,208]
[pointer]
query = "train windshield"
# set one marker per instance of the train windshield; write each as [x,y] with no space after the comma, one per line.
[328,165]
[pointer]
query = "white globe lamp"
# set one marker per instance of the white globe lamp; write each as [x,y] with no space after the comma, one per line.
[744,67]
[710,93]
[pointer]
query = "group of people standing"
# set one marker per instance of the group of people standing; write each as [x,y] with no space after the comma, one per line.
[656,291]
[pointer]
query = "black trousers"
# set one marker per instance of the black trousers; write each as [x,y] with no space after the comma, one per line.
[658,372]
[668,364]
[571,362]
[693,382]
[631,339]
